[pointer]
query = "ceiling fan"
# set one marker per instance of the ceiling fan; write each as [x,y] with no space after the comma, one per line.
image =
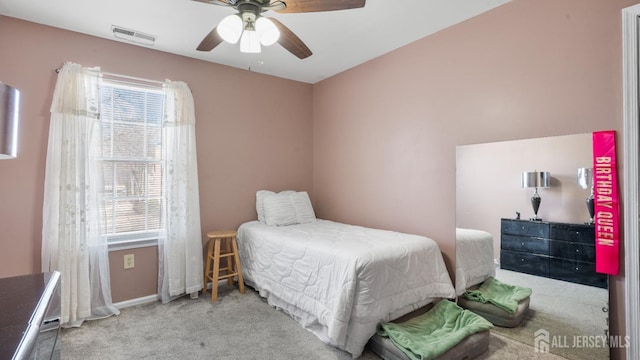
[252,29]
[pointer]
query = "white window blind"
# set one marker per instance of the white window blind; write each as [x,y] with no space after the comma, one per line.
[133,193]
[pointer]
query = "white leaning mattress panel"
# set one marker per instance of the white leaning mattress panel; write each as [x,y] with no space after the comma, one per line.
[474,258]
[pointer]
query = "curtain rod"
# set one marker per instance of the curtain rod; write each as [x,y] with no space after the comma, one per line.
[122,77]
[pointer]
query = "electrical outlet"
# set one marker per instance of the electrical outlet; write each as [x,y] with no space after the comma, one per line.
[129,261]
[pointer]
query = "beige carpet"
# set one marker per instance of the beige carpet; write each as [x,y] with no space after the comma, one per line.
[236,327]
[573,315]
[564,339]
[503,348]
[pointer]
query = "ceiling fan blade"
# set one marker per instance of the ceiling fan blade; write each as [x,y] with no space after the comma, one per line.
[210,41]
[291,41]
[301,6]
[274,5]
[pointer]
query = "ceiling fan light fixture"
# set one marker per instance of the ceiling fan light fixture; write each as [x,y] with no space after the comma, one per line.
[230,28]
[250,42]
[256,31]
[267,31]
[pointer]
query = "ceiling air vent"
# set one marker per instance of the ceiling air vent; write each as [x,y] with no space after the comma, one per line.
[133,36]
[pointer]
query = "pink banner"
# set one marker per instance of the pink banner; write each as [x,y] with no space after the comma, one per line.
[607,212]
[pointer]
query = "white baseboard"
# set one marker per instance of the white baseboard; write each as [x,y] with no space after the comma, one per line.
[152,298]
[137,301]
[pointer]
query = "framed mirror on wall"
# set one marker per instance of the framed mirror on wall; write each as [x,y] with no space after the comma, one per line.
[554,255]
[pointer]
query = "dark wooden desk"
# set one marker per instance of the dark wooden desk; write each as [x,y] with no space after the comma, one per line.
[29,316]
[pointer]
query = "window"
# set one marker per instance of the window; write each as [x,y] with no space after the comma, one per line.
[132,163]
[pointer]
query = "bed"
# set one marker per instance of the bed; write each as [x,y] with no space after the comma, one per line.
[340,281]
[474,258]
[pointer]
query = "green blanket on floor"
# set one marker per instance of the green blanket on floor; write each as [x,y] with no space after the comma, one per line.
[502,295]
[433,333]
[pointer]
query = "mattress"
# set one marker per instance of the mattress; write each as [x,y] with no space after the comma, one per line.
[474,258]
[340,281]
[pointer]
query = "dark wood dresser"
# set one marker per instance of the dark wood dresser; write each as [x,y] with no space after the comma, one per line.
[30,317]
[555,250]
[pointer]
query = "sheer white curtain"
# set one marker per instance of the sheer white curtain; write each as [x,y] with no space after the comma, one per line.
[71,240]
[180,247]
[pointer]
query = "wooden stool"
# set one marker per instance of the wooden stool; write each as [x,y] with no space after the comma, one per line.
[225,239]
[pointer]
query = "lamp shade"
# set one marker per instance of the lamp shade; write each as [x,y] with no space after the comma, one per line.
[535,179]
[249,42]
[267,31]
[230,28]
[9,110]
[585,178]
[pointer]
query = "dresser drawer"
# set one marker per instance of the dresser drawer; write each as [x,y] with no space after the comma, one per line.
[524,262]
[573,251]
[525,244]
[577,272]
[573,232]
[527,228]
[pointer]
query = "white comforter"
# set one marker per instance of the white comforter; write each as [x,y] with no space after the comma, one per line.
[474,258]
[340,281]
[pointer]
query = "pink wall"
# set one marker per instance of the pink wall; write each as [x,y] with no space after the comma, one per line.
[243,146]
[385,132]
[140,281]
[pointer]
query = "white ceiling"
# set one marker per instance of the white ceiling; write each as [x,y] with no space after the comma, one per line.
[339,40]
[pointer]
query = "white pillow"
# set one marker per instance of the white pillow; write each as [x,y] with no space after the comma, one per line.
[303,208]
[260,195]
[279,210]
[287,208]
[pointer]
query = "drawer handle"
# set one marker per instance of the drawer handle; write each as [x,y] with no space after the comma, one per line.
[522,243]
[577,250]
[522,227]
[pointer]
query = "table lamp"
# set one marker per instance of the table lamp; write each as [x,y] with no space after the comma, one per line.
[535,179]
[585,180]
